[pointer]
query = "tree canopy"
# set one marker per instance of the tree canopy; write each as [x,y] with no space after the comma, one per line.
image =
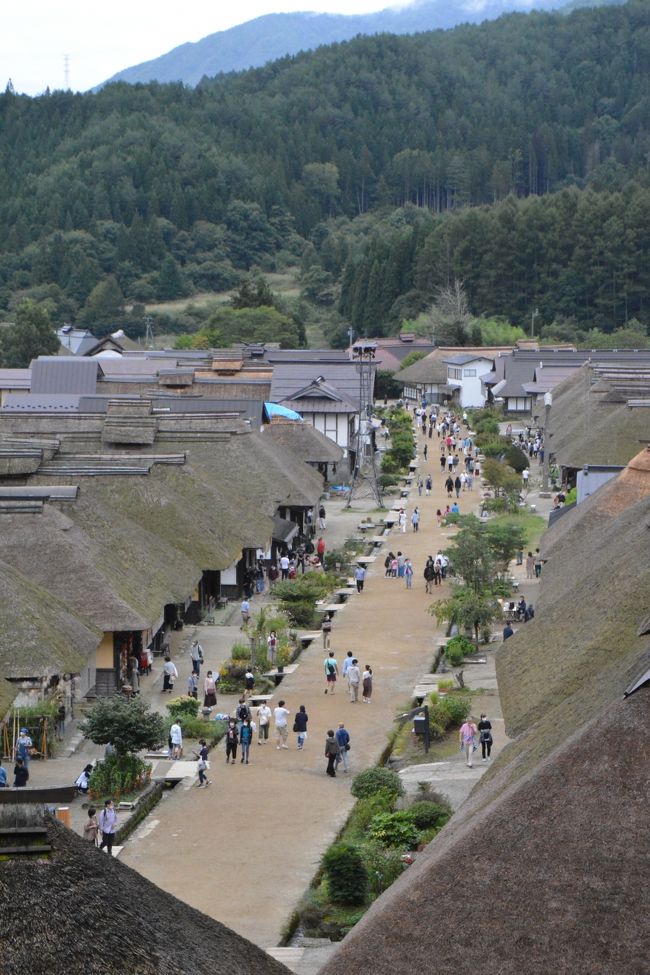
[31,335]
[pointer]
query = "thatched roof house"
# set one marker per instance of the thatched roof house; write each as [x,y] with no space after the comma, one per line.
[592,423]
[305,440]
[543,869]
[75,910]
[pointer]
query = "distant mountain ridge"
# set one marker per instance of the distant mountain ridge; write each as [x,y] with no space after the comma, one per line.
[274,36]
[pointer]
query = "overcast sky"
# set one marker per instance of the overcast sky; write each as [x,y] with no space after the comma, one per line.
[103,38]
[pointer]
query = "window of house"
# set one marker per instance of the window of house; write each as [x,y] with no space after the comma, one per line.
[455,373]
[469,372]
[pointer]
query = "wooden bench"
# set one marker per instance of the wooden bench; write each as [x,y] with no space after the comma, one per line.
[307,637]
[256,699]
[366,559]
[329,607]
[288,669]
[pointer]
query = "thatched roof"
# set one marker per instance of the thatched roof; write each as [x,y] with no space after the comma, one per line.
[39,636]
[78,911]
[551,849]
[433,368]
[590,426]
[8,694]
[549,876]
[305,441]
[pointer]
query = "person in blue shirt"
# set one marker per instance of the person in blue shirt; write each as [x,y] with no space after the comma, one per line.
[3,778]
[343,740]
[455,510]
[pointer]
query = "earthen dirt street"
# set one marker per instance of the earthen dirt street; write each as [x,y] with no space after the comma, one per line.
[244,850]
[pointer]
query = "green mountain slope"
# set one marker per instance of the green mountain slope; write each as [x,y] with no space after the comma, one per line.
[168,190]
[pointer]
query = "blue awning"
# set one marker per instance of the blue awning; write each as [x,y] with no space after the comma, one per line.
[273,409]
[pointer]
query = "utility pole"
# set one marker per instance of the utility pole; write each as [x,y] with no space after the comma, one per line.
[532,322]
[548,402]
[148,334]
[364,354]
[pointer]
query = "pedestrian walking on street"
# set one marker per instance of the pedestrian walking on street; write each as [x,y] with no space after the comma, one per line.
[91,827]
[249,682]
[331,671]
[326,627]
[209,691]
[347,663]
[429,575]
[331,753]
[170,675]
[280,715]
[193,686]
[24,745]
[245,612]
[388,565]
[428,485]
[485,737]
[420,486]
[232,740]
[343,741]
[196,653]
[402,520]
[359,577]
[264,721]
[176,738]
[408,573]
[415,519]
[202,763]
[300,726]
[467,737]
[449,486]
[108,826]
[425,451]
[354,680]
[320,549]
[367,684]
[245,738]
[322,524]
[530,566]
[458,485]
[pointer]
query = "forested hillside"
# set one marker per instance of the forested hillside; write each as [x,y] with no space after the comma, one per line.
[151,192]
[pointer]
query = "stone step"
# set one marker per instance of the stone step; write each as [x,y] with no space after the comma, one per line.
[291,957]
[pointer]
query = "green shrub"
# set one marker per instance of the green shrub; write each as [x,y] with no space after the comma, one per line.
[347,880]
[196,728]
[383,868]
[388,480]
[516,458]
[302,614]
[457,649]
[181,707]
[389,463]
[491,447]
[372,780]
[487,424]
[241,651]
[118,775]
[393,829]
[457,707]
[366,809]
[427,815]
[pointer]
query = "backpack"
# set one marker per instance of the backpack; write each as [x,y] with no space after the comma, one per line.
[243,712]
[331,667]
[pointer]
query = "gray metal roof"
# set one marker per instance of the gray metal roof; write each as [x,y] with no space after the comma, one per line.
[291,378]
[64,374]
[40,403]
[15,378]
[461,360]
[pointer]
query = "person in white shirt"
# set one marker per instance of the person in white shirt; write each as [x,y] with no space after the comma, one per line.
[354,679]
[284,566]
[170,674]
[176,738]
[263,719]
[280,715]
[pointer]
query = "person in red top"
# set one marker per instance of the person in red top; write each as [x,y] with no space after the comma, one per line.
[320,548]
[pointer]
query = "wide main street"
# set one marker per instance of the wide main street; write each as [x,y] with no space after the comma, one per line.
[244,850]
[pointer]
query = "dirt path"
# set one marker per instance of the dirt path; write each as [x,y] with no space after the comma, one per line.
[244,850]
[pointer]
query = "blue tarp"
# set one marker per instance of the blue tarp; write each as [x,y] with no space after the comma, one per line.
[273,409]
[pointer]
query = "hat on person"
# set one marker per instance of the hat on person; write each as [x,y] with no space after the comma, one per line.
[23,731]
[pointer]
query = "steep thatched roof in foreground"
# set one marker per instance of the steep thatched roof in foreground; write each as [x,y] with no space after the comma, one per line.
[8,694]
[550,877]
[81,912]
[551,849]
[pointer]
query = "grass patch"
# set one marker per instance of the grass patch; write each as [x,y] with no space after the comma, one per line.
[533,525]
